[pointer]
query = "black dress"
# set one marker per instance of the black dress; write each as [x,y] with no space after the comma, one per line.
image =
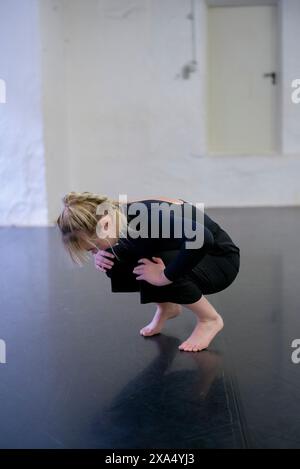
[194,272]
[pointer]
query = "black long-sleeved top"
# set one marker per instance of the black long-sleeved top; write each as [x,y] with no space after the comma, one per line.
[215,240]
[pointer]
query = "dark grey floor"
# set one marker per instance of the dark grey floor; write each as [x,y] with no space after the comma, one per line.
[79,375]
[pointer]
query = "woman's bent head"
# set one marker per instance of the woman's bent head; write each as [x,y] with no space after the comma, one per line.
[89,222]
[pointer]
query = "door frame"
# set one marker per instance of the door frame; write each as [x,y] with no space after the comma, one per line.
[279,95]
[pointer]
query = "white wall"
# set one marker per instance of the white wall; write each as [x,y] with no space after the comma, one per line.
[55,85]
[131,116]
[118,114]
[22,172]
[136,126]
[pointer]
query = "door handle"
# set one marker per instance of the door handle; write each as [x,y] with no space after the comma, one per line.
[272,75]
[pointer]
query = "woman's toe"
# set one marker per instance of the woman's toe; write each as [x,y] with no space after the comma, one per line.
[188,347]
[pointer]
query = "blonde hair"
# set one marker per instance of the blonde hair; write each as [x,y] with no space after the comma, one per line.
[78,221]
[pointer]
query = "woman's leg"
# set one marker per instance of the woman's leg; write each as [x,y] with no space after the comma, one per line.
[163,312]
[209,323]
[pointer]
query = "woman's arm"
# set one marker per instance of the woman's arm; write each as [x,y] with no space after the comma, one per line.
[188,257]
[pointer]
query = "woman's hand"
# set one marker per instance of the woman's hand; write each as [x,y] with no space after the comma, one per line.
[101,263]
[152,272]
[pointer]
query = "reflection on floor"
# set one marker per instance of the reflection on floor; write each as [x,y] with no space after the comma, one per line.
[79,375]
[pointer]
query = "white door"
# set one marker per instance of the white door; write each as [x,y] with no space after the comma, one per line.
[242,102]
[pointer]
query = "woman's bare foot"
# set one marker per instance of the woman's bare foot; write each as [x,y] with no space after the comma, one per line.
[164,311]
[209,323]
[202,335]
